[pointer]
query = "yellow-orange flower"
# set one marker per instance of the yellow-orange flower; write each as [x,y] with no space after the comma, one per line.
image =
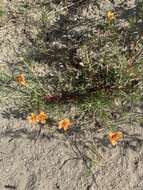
[42,117]
[21,79]
[65,124]
[32,118]
[111,15]
[114,137]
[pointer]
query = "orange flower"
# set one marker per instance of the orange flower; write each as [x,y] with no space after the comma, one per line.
[65,124]
[32,118]
[111,15]
[21,79]
[114,137]
[42,117]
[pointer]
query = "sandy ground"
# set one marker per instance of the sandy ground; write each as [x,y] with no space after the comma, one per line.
[53,163]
